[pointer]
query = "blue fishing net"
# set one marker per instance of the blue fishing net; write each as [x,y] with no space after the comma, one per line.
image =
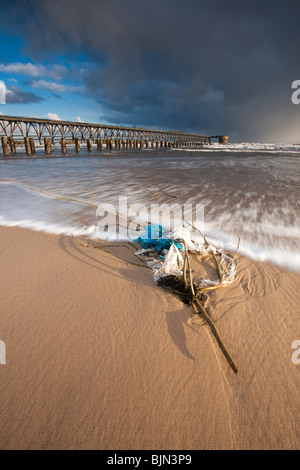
[157,237]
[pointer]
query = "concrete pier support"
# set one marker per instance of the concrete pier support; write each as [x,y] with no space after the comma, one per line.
[12,145]
[5,146]
[32,145]
[48,146]
[100,144]
[63,145]
[77,145]
[27,146]
[89,145]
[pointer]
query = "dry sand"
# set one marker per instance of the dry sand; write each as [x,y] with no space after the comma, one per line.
[99,357]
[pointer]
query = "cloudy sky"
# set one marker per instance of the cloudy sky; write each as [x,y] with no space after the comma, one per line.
[209,67]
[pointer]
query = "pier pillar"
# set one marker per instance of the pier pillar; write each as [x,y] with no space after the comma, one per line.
[12,145]
[48,147]
[27,146]
[63,145]
[100,144]
[77,145]
[32,145]
[4,146]
[89,144]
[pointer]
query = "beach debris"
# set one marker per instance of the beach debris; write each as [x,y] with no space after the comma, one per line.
[175,272]
[177,285]
[168,254]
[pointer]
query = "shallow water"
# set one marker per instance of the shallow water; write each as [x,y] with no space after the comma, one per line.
[252,188]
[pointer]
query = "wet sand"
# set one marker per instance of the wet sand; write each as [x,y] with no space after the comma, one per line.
[99,357]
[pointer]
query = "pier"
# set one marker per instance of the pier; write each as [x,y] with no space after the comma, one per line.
[16,131]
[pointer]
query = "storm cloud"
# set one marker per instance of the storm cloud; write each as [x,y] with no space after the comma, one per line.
[15,95]
[199,66]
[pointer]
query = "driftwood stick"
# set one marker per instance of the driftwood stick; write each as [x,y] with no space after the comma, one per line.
[218,267]
[207,317]
[217,336]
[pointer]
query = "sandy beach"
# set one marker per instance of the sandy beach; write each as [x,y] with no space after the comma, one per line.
[99,357]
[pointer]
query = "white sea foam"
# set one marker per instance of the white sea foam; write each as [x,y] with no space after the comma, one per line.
[256,195]
[283,257]
[46,227]
[245,147]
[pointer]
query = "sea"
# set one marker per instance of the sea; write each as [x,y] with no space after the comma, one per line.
[248,191]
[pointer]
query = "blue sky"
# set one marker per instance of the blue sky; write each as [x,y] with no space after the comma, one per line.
[209,67]
[42,88]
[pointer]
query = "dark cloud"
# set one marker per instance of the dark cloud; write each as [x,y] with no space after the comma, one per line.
[201,66]
[56,96]
[15,95]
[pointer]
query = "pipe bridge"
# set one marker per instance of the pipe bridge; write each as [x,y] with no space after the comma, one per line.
[29,131]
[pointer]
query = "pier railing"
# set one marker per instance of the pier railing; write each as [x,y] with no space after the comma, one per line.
[25,131]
